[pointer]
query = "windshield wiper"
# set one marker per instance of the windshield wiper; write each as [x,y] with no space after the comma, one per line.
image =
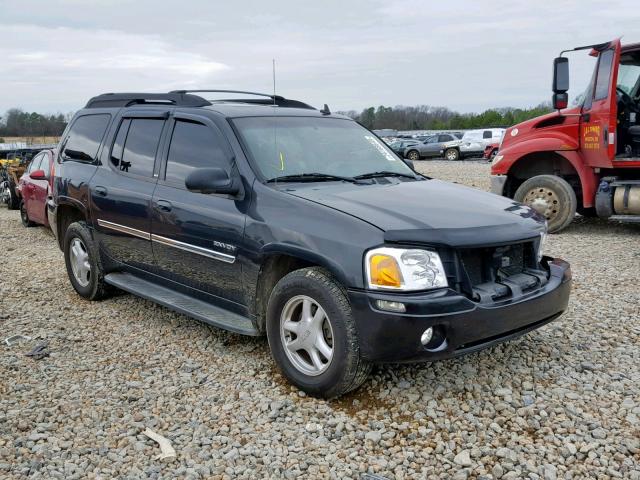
[384,173]
[311,177]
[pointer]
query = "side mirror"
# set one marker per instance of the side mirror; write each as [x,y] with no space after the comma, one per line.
[38,175]
[560,100]
[560,84]
[210,180]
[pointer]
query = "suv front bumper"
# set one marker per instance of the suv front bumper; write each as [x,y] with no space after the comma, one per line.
[497,184]
[466,326]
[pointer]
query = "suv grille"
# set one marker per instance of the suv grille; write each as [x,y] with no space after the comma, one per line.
[492,273]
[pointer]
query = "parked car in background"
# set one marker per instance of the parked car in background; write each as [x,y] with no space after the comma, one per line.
[430,147]
[472,143]
[400,145]
[34,189]
[491,150]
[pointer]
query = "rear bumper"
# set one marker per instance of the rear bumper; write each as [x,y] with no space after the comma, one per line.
[465,325]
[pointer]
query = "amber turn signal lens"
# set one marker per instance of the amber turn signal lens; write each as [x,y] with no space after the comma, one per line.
[384,271]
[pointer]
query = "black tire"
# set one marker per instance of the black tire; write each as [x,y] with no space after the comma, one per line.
[13,202]
[551,196]
[24,217]
[96,288]
[347,370]
[452,154]
[589,212]
[413,155]
[493,154]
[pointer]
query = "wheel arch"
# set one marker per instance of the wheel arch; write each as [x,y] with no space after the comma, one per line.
[66,214]
[278,261]
[567,165]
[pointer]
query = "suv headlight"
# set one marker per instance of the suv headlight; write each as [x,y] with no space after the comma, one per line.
[404,269]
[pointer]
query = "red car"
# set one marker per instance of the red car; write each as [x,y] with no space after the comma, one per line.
[491,151]
[34,188]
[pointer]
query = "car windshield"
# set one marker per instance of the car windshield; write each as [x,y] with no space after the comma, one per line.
[290,146]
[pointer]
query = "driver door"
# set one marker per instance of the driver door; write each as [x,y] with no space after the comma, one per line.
[600,109]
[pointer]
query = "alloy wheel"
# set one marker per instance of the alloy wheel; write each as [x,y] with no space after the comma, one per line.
[307,335]
[79,260]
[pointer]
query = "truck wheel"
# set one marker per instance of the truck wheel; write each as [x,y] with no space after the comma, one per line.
[550,196]
[83,264]
[24,217]
[413,155]
[452,154]
[312,334]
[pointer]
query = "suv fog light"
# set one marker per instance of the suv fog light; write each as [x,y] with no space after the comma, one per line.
[391,306]
[426,337]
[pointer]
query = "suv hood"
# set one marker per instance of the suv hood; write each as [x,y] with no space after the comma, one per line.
[430,211]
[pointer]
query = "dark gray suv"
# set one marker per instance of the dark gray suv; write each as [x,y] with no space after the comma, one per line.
[268,217]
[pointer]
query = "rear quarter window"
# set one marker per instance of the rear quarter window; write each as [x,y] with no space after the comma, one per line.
[84,137]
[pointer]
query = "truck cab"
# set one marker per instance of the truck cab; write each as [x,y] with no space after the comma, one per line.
[585,158]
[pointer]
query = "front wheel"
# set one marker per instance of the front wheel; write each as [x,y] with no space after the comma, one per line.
[552,197]
[10,196]
[452,154]
[312,334]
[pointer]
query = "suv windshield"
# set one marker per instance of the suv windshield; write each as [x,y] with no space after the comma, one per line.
[286,146]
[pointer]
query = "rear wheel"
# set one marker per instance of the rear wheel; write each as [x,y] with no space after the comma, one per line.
[413,155]
[10,196]
[24,217]
[82,260]
[550,196]
[312,334]
[452,154]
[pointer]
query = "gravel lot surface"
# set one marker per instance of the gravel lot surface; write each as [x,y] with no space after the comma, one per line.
[561,402]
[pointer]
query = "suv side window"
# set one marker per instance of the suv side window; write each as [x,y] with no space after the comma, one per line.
[487,134]
[84,138]
[194,145]
[139,152]
[444,138]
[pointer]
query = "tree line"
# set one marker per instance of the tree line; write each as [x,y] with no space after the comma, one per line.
[18,123]
[426,117]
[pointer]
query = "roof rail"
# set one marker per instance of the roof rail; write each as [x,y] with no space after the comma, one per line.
[180,99]
[276,100]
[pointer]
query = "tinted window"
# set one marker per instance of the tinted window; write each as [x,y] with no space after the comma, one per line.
[487,134]
[84,138]
[194,145]
[118,144]
[140,146]
[604,75]
[445,138]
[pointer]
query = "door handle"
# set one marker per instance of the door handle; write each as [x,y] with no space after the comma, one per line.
[163,206]
[102,191]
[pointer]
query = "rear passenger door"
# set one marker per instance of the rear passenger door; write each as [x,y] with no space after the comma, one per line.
[196,237]
[122,188]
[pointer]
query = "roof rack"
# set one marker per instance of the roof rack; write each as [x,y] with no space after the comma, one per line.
[269,99]
[128,99]
[185,98]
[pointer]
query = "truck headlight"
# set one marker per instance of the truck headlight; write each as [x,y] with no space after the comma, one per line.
[404,269]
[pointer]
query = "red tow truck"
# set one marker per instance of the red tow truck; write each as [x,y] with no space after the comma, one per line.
[584,158]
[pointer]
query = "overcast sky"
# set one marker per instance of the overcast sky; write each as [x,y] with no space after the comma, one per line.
[467,55]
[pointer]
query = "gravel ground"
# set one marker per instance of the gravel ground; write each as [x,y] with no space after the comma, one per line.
[561,402]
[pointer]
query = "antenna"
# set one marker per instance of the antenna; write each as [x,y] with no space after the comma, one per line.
[273,61]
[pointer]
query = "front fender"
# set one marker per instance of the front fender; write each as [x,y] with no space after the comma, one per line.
[308,256]
[510,154]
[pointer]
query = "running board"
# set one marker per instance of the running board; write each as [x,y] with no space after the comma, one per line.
[626,218]
[182,303]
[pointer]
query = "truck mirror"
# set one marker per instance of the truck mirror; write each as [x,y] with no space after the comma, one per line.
[560,100]
[560,75]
